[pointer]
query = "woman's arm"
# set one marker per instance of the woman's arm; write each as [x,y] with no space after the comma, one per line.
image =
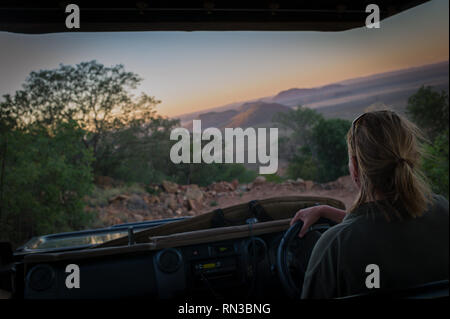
[312,214]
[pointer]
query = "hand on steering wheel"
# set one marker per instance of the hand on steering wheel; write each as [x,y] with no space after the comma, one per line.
[309,216]
[284,262]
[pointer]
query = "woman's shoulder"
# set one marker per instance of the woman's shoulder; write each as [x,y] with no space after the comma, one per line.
[439,202]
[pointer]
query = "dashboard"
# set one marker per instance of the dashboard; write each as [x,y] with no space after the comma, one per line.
[241,267]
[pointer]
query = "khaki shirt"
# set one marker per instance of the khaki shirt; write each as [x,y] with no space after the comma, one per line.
[408,253]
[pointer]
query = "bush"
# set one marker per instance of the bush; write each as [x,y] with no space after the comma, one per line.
[46,175]
[329,147]
[435,166]
[303,165]
[429,110]
[205,174]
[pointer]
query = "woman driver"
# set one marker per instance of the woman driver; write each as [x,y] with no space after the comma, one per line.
[395,223]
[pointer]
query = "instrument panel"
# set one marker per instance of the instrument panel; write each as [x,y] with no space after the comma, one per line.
[243,267]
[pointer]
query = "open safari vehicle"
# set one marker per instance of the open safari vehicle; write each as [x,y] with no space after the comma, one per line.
[230,252]
[244,251]
[248,251]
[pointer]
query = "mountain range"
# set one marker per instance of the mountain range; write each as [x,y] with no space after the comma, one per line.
[345,99]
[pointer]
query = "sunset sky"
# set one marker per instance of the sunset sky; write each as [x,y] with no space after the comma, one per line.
[192,71]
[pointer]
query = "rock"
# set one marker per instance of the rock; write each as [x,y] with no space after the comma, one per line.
[235,184]
[194,205]
[194,193]
[179,212]
[259,180]
[299,180]
[243,187]
[309,185]
[136,202]
[171,202]
[221,187]
[138,218]
[180,199]
[152,199]
[118,198]
[170,187]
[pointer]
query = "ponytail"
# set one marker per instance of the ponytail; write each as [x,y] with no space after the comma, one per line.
[409,190]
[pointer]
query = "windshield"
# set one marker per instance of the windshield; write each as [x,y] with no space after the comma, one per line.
[106,128]
[75,240]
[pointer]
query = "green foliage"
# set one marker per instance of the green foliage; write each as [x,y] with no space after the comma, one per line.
[299,124]
[303,165]
[429,110]
[436,164]
[205,174]
[138,153]
[68,124]
[47,173]
[95,96]
[317,146]
[99,197]
[274,178]
[330,148]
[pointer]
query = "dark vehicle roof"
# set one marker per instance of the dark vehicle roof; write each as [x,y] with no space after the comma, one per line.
[208,15]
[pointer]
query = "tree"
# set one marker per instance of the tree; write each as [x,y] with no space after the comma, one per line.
[303,165]
[97,97]
[330,148]
[299,124]
[429,110]
[316,147]
[435,164]
[46,177]
[138,153]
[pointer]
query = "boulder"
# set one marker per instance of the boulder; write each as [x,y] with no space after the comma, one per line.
[243,187]
[193,192]
[135,202]
[152,199]
[170,187]
[309,185]
[171,202]
[194,205]
[235,184]
[118,198]
[259,180]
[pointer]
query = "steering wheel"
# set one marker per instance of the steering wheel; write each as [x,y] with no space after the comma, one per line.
[294,253]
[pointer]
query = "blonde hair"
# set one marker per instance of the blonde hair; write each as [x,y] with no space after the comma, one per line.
[388,153]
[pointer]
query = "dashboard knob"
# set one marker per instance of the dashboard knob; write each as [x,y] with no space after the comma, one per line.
[169,260]
[41,277]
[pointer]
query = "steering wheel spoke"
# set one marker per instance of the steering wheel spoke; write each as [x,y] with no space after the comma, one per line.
[294,252]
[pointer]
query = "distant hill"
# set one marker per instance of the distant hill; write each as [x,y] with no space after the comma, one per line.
[253,114]
[256,114]
[345,99]
[307,94]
